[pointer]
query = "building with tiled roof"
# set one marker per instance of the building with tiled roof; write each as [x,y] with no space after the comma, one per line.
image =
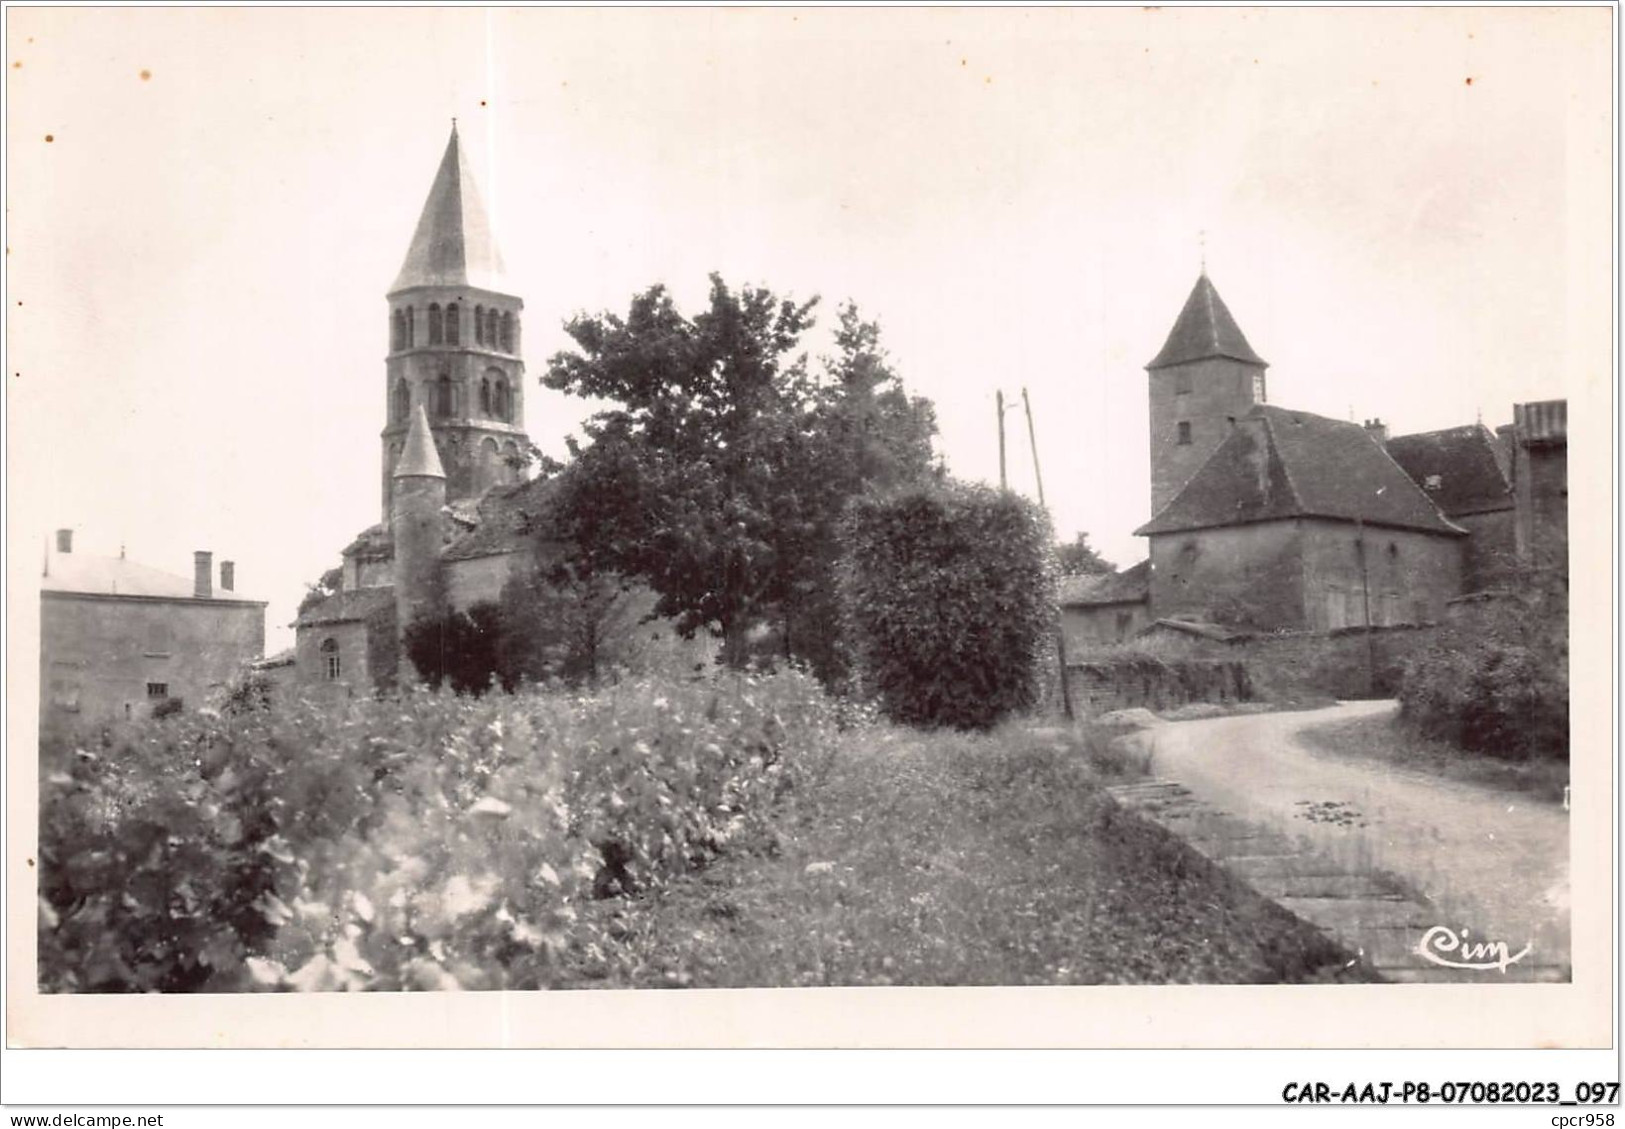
[119,639]
[1104,607]
[1465,473]
[1265,518]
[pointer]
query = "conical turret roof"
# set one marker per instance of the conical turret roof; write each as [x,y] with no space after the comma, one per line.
[419,459]
[453,244]
[1204,329]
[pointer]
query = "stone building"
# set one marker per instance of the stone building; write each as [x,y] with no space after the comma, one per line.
[1268,519]
[457,513]
[119,639]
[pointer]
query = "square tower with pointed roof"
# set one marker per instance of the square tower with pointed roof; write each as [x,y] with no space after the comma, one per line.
[1205,379]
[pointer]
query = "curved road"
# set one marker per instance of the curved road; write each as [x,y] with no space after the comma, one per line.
[1491,862]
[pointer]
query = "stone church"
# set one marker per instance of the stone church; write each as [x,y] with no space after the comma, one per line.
[454,500]
[1269,519]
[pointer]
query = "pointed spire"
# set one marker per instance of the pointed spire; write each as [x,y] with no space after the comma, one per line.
[1204,329]
[419,459]
[453,244]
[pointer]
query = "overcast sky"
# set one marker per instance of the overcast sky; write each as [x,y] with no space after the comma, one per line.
[1406,210]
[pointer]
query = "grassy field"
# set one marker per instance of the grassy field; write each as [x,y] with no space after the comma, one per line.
[1391,741]
[947,859]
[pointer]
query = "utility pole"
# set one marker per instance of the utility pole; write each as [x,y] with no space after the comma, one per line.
[1060,628]
[998,397]
[1365,598]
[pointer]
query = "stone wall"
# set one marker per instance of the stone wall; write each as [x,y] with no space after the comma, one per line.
[1339,664]
[1102,684]
[108,657]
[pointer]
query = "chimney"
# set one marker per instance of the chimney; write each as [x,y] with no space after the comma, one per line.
[64,540]
[1377,430]
[228,576]
[202,574]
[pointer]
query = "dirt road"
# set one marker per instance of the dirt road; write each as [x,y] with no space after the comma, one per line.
[1491,865]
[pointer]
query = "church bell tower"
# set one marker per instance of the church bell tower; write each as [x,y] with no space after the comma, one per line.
[454,345]
[1204,379]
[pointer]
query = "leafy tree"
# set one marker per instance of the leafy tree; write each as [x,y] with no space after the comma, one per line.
[329,584]
[718,475]
[948,594]
[459,648]
[1078,557]
[561,619]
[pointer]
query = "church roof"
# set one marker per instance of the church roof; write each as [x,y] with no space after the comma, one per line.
[347,607]
[419,458]
[1457,467]
[1204,329]
[508,516]
[453,244]
[1279,463]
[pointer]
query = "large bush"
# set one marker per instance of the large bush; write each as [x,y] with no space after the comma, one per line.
[1497,681]
[948,602]
[426,841]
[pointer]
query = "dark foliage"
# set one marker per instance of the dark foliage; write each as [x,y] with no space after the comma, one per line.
[1497,681]
[329,583]
[1078,558]
[459,649]
[948,597]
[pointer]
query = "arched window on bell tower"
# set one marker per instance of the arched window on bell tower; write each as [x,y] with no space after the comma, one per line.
[411,329]
[443,406]
[436,335]
[454,324]
[493,330]
[507,332]
[479,325]
[400,402]
[397,331]
[485,396]
[500,403]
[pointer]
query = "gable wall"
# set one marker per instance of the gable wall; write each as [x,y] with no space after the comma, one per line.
[1244,575]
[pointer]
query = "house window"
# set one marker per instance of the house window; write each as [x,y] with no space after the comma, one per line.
[1125,620]
[1182,382]
[1184,434]
[330,659]
[158,690]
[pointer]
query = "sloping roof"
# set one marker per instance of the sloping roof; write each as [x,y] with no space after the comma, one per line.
[1278,463]
[507,517]
[347,607]
[373,543]
[1201,630]
[1457,467]
[419,458]
[1129,586]
[453,244]
[112,576]
[1204,329]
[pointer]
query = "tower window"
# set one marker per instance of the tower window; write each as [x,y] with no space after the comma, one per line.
[436,326]
[443,398]
[331,666]
[1184,434]
[157,689]
[411,330]
[400,402]
[508,328]
[397,331]
[1182,382]
[499,400]
[485,396]
[454,324]
[479,325]
[1258,388]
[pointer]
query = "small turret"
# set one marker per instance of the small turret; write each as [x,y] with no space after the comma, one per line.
[417,525]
